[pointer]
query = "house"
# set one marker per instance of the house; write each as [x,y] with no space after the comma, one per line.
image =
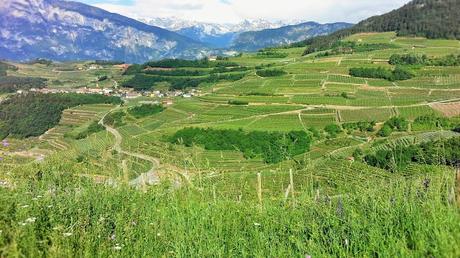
[132,95]
[167,102]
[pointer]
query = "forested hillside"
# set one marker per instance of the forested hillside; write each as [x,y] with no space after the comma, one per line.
[425,18]
[26,115]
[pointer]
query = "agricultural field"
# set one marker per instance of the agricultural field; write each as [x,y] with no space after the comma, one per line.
[314,92]
[309,131]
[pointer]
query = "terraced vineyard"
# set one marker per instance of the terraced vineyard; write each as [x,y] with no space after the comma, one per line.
[261,144]
[314,93]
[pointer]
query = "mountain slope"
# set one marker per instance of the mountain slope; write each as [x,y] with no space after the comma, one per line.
[62,30]
[427,18]
[254,40]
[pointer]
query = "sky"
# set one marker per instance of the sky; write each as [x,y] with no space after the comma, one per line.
[234,11]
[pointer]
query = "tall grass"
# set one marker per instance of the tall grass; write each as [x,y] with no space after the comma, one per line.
[49,211]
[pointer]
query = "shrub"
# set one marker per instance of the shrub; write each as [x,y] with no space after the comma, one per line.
[270,72]
[238,102]
[333,130]
[145,110]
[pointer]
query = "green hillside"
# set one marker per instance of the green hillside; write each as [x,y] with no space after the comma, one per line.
[345,152]
[435,19]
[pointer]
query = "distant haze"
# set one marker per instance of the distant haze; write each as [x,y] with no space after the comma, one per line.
[234,11]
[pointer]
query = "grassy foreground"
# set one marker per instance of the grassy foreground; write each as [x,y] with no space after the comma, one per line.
[48,211]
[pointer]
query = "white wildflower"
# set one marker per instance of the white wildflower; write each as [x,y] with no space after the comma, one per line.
[256,224]
[67,234]
[31,220]
[158,234]
[117,247]
[25,206]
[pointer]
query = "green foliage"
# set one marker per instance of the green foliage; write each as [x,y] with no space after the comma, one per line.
[439,152]
[271,72]
[102,78]
[385,131]
[4,67]
[426,18]
[395,123]
[177,72]
[416,59]
[408,59]
[133,69]
[333,130]
[362,126]
[456,129]
[93,128]
[271,54]
[177,79]
[26,115]
[432,121]
[273,147]
[238,102]
[108,62]
[115,119]
[42,61]
[9,84]
[180,63]
[398,74]
[350,47]
[145,110]
[78,217]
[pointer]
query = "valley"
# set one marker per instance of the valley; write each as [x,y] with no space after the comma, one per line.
[345,145]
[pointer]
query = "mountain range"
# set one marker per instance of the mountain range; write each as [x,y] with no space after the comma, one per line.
[248,35]
[64,30]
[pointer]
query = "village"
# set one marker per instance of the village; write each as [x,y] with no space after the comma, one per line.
[124,93]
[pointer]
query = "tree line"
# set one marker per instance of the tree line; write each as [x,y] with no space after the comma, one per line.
[397,74]
[32,114]
[273,147]
[415,59]
[439,152]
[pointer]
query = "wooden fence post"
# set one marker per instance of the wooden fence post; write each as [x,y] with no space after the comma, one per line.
[291,180]
[259,187]
[457,186]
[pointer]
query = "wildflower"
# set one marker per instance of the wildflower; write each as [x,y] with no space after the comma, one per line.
[117,247]
[31,220]
[158,234]
[25,206]
[67,234]
[256,224]
[307,256]
[112,237]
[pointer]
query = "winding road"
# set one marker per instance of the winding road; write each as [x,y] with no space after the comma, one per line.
[148,178]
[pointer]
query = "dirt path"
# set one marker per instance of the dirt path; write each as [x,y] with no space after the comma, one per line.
[148,178]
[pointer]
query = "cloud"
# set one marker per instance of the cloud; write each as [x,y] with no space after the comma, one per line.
[223,11]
